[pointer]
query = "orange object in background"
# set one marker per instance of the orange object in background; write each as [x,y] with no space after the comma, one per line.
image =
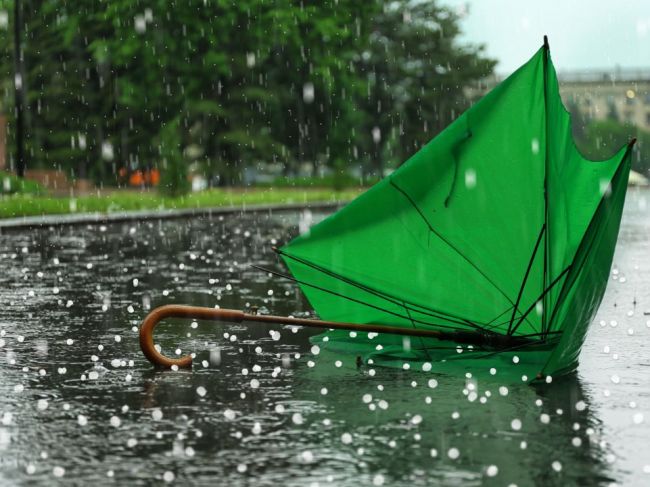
[152,177]
[136,178]
[139,178]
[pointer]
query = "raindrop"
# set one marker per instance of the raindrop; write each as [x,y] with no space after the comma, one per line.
[215,356]
[534,146]
[308,94]
[470,178]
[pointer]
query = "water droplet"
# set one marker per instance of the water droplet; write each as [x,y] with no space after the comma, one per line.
[308,92]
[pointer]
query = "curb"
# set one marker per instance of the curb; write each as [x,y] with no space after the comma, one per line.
[46,221]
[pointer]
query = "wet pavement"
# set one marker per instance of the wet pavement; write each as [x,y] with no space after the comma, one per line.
[79,403]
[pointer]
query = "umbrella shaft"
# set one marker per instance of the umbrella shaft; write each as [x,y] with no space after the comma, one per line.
[236,316]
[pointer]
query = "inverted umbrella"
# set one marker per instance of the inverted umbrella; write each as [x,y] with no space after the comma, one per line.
[497,235]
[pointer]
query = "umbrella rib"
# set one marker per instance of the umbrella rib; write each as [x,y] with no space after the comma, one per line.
[334,293]
[530,308]
[449,244]
[415,328]
[523,283]
[391,299]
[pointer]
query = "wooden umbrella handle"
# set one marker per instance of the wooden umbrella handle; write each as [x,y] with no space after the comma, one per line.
[178,311]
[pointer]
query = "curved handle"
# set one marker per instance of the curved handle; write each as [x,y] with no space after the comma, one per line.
[177,311]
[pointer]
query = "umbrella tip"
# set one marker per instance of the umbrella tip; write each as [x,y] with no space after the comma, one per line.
[275,249]
[546,41]
[631,142]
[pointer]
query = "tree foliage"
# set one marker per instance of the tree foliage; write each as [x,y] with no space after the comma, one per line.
[335,84]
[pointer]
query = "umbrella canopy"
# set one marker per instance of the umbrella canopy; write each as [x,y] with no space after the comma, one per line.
[498,225]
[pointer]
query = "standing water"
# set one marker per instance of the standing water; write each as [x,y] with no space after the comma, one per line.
[79,402]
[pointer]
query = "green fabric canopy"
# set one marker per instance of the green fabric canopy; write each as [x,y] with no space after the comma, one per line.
[497,225]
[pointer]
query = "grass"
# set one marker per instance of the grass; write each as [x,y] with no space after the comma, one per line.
[329,181]
[18,205]
[10,184]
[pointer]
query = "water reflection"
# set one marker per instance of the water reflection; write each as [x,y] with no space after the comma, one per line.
[76,393]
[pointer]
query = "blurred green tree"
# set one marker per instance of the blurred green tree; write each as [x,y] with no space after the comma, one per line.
[246,83]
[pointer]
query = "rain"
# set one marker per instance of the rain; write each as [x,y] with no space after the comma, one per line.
[167,154]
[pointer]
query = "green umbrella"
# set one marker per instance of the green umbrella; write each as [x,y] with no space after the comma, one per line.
[498,227]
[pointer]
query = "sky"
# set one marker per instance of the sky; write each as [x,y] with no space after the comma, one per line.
[583,34]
